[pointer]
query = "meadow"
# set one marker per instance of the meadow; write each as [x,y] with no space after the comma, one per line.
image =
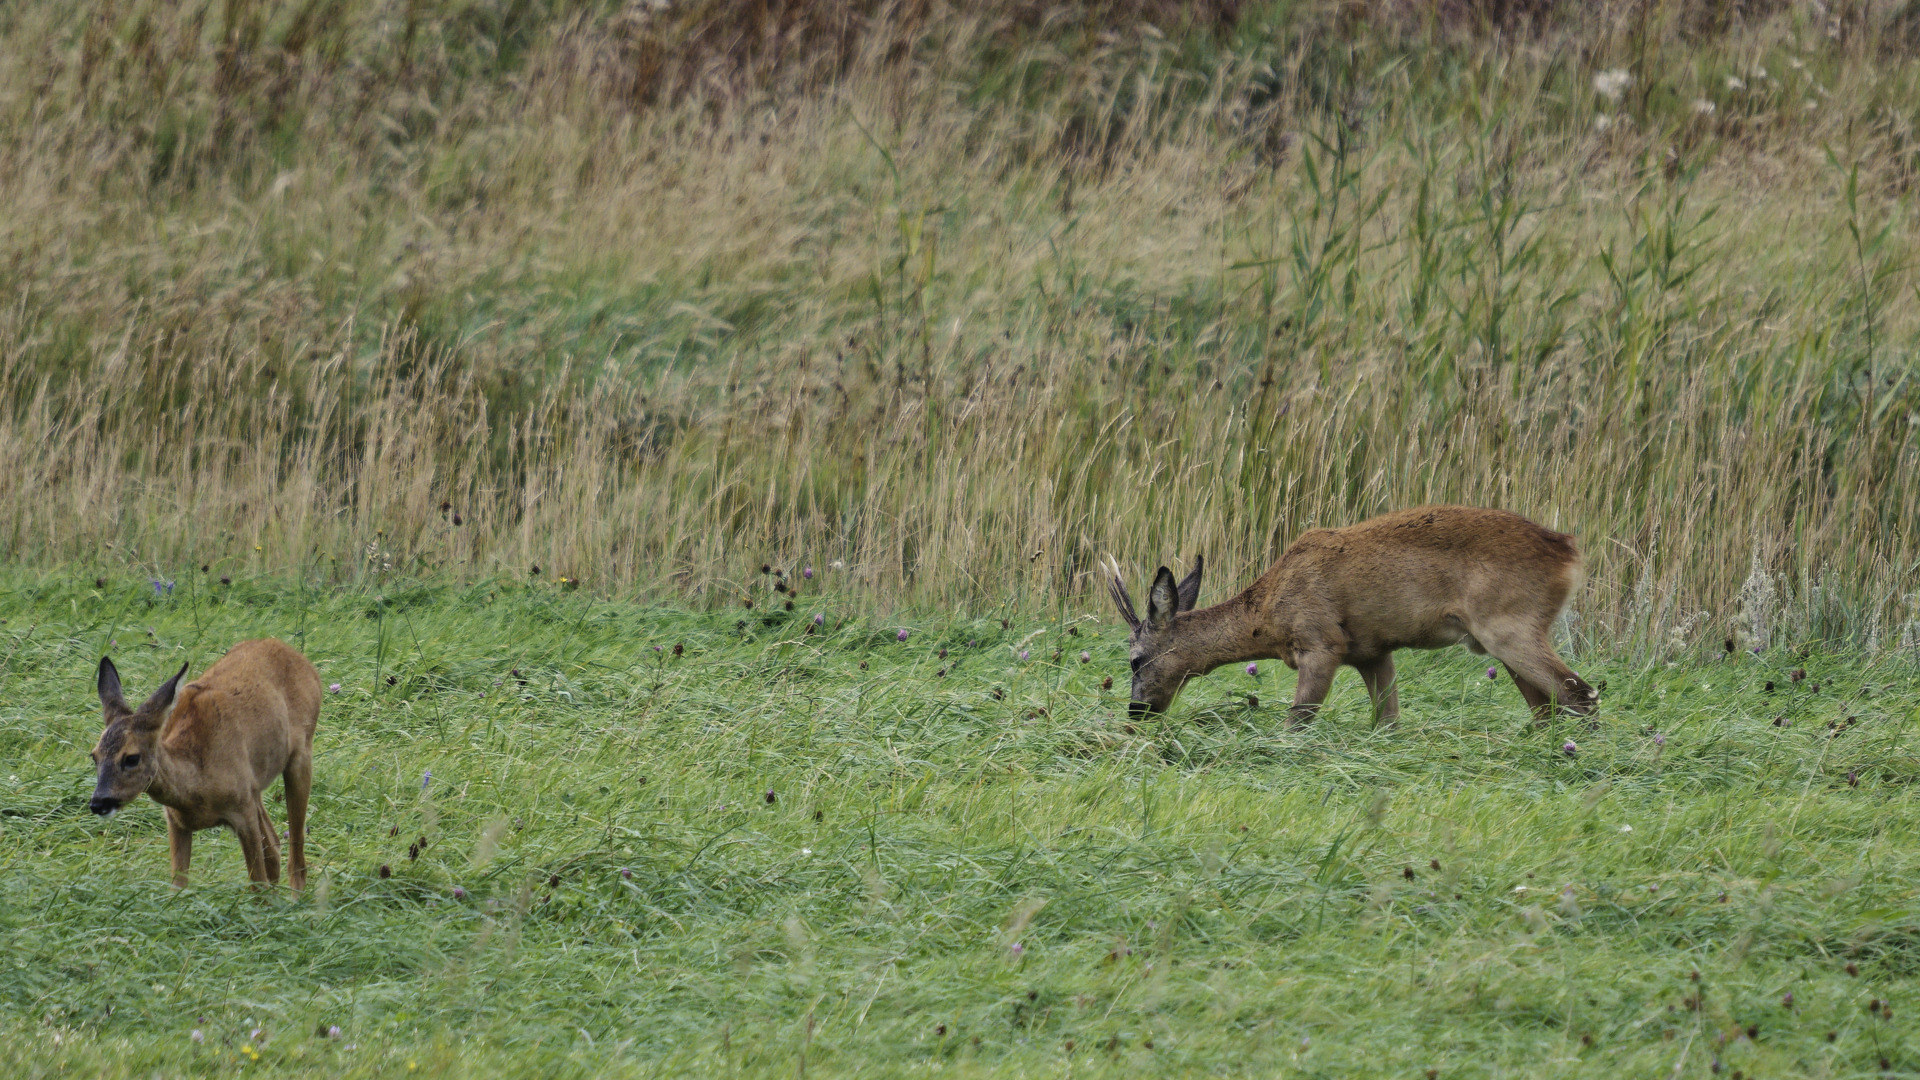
[496,353]
[563,836]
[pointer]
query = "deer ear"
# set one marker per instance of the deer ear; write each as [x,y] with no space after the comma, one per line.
[1189,590]
[108,683]
[162,698]
[1163,600]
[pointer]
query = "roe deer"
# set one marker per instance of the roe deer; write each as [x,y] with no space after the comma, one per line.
[246,720]
[1413,579]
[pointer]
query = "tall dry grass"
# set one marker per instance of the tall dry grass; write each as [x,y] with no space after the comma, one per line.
[294,285]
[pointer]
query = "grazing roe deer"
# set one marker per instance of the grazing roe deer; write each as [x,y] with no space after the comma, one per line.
[1423,578]
[206,759]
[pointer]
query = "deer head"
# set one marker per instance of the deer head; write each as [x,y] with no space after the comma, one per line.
[1160,666]
[127,754]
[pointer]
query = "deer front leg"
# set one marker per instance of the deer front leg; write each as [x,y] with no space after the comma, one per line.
[245,824]
[179,847]
[1382,688]
[269,842]
[1316,678]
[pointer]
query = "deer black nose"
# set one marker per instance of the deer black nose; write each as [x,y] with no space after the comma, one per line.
[103,805]
[1138,709]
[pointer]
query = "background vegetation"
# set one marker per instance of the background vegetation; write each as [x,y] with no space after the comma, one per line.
[966,296]
[545,844]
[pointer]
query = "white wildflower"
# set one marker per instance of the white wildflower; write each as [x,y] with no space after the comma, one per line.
[1703,107]
[1602,122]
[1612,84]
[1735,82]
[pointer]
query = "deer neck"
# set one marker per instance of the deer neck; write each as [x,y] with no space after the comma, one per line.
[174,774]
[1228,633]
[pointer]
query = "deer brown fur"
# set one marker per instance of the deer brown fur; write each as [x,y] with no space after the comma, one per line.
[207,756]
[1424,578]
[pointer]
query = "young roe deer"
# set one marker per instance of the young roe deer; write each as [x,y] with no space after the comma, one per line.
[1423,578]
[206,758]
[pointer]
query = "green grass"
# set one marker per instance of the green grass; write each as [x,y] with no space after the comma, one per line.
[1211,895]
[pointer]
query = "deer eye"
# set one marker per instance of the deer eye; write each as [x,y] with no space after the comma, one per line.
[130,761]
[1136,662]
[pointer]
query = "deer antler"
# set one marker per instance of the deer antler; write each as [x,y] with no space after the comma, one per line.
[1117,588]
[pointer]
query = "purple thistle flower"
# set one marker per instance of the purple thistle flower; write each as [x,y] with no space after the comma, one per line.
[1659,739]
[459,893]
[1085,656]
[819,620]
[902,635]
[626,873]
[1786,999]
[333,1031]
[807,573]
[425,779]
[1493,673]
[1570,749]
[334,689]
[1253,670]
[1023,654]
[1017,949]
[657,648]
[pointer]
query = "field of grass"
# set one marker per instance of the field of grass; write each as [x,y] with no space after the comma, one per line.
[967,296]
[484,349]
[662,842]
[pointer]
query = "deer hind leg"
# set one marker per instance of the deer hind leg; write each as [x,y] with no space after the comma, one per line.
[179,847]
[1316,678]
[1382,688]
[298,782]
